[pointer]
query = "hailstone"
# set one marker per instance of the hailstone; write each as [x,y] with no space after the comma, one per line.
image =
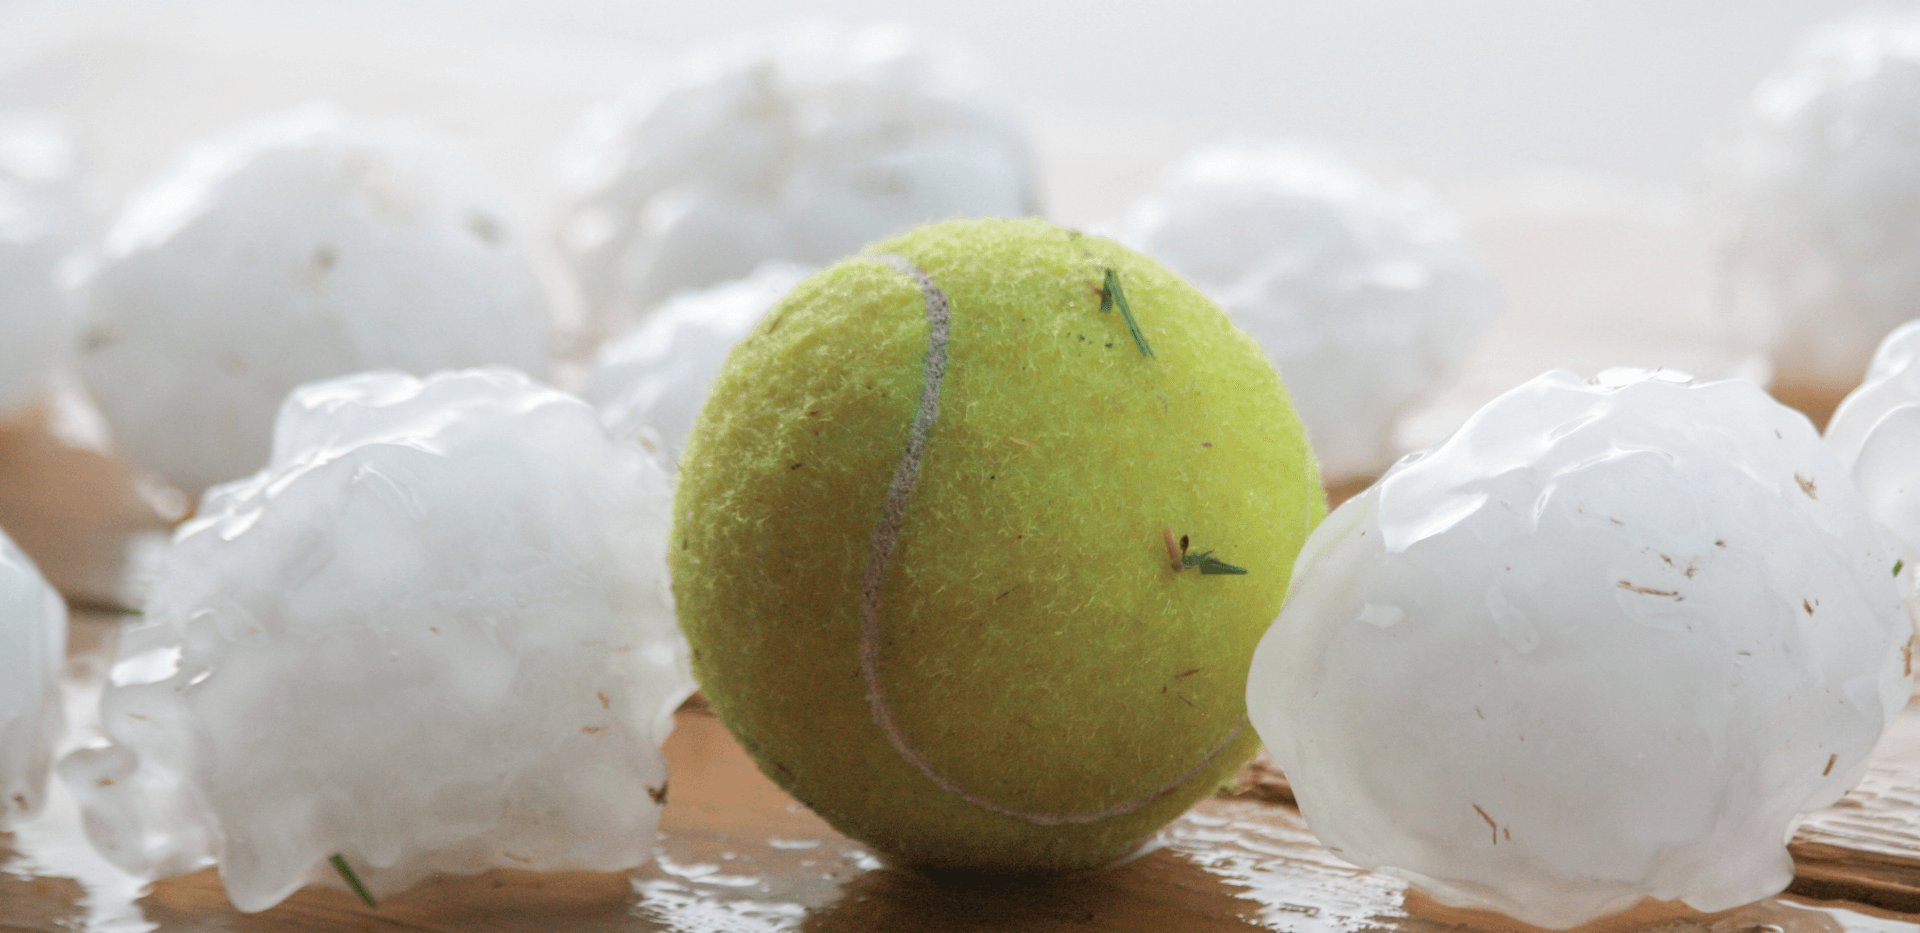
[435,634]
[40,224]
[650,383]
[302,248]
[1364,294]
[804,146]
[1876,433]
[1606,642]
[33,644]
[1821,192]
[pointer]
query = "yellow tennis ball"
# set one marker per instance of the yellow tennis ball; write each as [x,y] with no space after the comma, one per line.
[929,534]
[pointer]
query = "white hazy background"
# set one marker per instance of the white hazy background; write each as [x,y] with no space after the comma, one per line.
[1570,134]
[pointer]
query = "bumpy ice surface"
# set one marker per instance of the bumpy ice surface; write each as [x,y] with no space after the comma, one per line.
[804,146]
[302,248]
[1876,433]
[650,383]
[434,635]
[1363,294]
[1605,642]
[33,644]
[1822,192]
[40,223]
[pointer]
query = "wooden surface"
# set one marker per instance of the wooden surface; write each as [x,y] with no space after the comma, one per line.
[737,854]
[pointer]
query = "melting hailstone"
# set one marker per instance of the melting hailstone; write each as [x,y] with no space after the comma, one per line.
[33,644]
[1820,194]
[433,635]
[804,146]
[301,248]
[1642,626]
[650,383]
[1365,294]
[1876,433]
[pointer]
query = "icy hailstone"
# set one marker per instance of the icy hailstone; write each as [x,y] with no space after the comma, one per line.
[299,249]
[33,645]
[1876,433]
[1363,295]
[434,635]
[1822,192]
[1606,642]
[650,383]
[803,147]
[39,225]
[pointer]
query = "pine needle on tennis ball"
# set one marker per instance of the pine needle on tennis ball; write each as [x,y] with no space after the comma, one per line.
[960,558]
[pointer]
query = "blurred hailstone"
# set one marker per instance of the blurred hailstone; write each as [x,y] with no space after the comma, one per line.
[1661,601]
[33,644]
[433,635]
[804,146]
[1876,433]
[301,248]
[40,225]
[649,384]
[1363,294]
[1820,189]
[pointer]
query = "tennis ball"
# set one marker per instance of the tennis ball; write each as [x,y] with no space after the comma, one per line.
[929,535]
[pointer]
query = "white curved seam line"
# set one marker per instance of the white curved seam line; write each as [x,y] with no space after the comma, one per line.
[886,540]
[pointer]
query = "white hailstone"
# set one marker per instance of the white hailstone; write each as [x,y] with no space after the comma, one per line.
[1876,433]
[649,384]
[1821,191]
[1363,294]
[33,645]
[434,635]
[301,248]
[805,146]
[40,224]
[1606,642]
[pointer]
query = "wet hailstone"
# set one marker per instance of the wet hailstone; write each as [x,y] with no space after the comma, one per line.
[434,635]
[1820,194]
[41,224]
[305,247]
[649,384]
[1876,433]
[1364,294]
[33,643]
[804,146]
[1606,642]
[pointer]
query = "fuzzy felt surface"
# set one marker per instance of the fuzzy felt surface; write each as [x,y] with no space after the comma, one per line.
[1036,647]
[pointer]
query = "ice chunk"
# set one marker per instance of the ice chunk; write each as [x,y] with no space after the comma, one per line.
[1820,189]
[1364,294]
[301,248]
[1876,433]
[1642,627]
[33,646]
[434,635]
[650,383]
[803,146]
[40,224]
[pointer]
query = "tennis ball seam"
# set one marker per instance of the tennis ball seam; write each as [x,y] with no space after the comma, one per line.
[886,540]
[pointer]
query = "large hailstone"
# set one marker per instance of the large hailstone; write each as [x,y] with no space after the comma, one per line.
[805,147]
[301,248]
[1363,294]
[33,645]
[434,635]
[1876,433]
[40,224]
[1606,642]
[1821,190]
[650,384]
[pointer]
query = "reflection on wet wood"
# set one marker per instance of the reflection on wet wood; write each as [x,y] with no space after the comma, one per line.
[738,855]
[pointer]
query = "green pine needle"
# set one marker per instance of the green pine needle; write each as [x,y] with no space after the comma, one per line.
[1209,565]
[353,880]
[1113,295]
